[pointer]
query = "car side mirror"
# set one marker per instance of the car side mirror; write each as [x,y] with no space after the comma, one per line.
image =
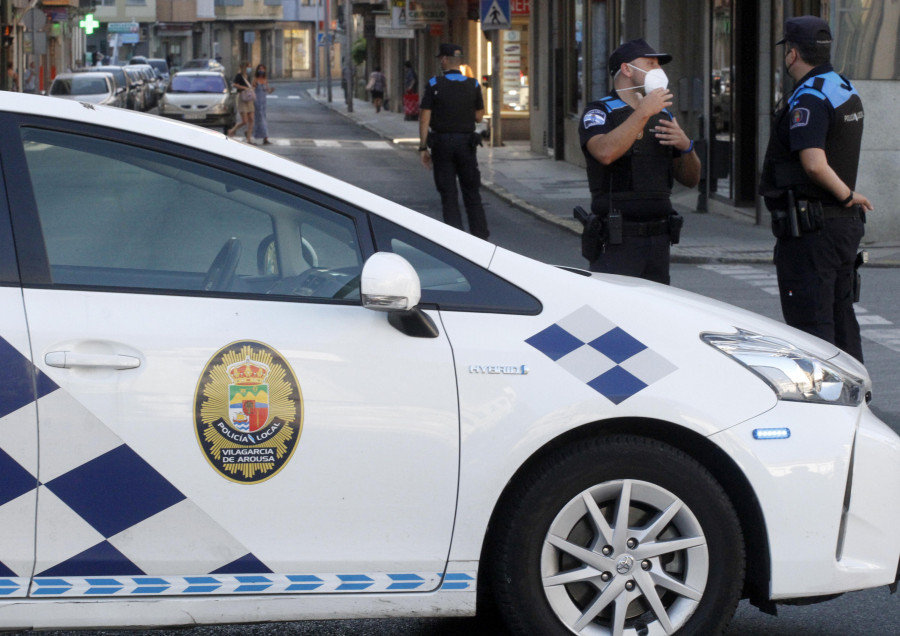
[389,283]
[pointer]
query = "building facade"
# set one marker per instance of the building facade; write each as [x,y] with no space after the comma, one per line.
[545,65]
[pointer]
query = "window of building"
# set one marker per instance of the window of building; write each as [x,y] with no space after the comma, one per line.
[866,38]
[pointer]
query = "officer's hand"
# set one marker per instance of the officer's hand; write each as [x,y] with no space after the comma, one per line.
[669,133]
[861,199]
[426,158]
[654,102]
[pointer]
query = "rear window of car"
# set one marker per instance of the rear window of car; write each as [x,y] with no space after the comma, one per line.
[79,85]
[196,84]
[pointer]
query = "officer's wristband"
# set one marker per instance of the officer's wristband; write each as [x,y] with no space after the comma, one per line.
[689,148]
[423,148]
[848,199]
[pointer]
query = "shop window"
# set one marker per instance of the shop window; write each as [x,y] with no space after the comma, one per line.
[514,68]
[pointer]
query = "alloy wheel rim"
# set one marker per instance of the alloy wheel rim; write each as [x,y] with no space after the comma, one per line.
[624,558]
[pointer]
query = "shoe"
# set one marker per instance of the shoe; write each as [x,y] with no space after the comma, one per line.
[230,133]
[266,142]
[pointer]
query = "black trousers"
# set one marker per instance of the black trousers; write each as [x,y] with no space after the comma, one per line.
[453,156]
[638,256]
[815,281]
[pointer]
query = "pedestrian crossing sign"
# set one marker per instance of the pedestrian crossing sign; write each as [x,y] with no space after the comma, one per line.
[494,14]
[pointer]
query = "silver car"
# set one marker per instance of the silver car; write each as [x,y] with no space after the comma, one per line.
[92,88]
[199,97]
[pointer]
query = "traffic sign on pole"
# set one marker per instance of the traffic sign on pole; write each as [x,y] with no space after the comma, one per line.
[494,14]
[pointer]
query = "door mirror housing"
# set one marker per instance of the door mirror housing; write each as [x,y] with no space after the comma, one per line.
[389,283]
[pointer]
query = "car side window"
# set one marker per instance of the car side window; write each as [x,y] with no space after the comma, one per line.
[114,215]
[448,280]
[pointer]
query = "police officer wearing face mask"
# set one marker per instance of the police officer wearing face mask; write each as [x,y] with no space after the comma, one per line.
[451,106]
[634,148]
[809,182]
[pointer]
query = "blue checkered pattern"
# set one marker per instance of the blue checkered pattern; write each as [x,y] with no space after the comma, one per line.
[601,354]
[113,525]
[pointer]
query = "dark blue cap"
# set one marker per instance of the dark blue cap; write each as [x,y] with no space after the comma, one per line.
[806,29]
[631,51]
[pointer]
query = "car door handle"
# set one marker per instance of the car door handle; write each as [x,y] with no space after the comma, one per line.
[70,359]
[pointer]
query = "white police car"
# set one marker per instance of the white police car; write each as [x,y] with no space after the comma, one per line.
[198,404]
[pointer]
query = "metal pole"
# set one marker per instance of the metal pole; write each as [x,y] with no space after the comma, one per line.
[496,90]
[348,30]
[328,48]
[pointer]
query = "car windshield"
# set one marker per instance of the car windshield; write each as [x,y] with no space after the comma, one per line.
[79,85]
[160,66]
[194,84]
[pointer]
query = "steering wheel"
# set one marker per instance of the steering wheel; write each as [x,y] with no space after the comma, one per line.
[221,273]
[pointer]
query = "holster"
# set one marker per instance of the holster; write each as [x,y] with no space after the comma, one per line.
[676,222]
[475,140]
[594,234]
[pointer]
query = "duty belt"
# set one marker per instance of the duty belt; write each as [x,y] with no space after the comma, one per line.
[840,212]
[647,228]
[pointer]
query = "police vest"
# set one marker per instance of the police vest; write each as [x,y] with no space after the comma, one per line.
[644,172]
[456,98]
[782,170]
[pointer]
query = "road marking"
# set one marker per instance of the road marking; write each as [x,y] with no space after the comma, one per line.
[763,280]
[357,144]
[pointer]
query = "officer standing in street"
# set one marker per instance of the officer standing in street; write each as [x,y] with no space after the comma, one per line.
[451,106]
[809,182]
[634,148]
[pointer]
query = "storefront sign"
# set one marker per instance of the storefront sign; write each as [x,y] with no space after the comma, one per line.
[425,12]
[384,29]
[520,8]
[123,27]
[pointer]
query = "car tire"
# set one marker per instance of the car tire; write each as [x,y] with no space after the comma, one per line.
[560,563]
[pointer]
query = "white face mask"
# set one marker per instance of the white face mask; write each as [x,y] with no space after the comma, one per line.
[653,79]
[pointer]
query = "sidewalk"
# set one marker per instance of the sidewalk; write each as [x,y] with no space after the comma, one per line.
[549,189]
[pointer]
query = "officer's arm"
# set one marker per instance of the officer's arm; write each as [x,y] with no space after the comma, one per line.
[815,164]
[424,122]
[479,116]
[687,169]
[608,147]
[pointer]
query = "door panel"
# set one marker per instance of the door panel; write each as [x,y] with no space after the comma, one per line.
[229,418]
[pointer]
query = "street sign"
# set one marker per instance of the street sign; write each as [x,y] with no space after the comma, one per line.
[494,14]
[385,29]
[420,13]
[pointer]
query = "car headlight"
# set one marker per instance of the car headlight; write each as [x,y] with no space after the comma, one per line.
[795,375]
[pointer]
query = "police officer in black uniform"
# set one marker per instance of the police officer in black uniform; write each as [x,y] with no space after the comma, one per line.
[809,181]
[634,148]
[451,106]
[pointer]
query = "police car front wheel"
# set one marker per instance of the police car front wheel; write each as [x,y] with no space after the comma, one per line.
[622,536]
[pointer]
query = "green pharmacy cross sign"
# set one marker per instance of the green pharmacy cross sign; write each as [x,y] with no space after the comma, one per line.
[89,23]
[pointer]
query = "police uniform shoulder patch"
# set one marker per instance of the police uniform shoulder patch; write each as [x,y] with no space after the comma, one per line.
[595,117]
[799,117]
[248,412]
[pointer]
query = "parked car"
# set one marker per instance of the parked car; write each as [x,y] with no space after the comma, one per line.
[132,90]
[203,64]
[199,97]
[151,85]
[140,89]
[236,389]
[161,67]
[93,88]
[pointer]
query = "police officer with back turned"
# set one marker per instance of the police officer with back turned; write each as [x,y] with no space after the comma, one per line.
[809,181]
[634,149]
[451,106]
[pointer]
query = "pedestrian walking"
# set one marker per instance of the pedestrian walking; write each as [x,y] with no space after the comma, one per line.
[451,106]
[29,79]
[246,98]
[809,185]
[375,86]
[262,90]
[12,78]
[634,148]
[410,92]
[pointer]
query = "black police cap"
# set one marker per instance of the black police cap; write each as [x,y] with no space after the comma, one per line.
[449,50]
[631,51]
[806,29]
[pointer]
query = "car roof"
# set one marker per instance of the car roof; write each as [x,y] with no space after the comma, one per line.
[71,74]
